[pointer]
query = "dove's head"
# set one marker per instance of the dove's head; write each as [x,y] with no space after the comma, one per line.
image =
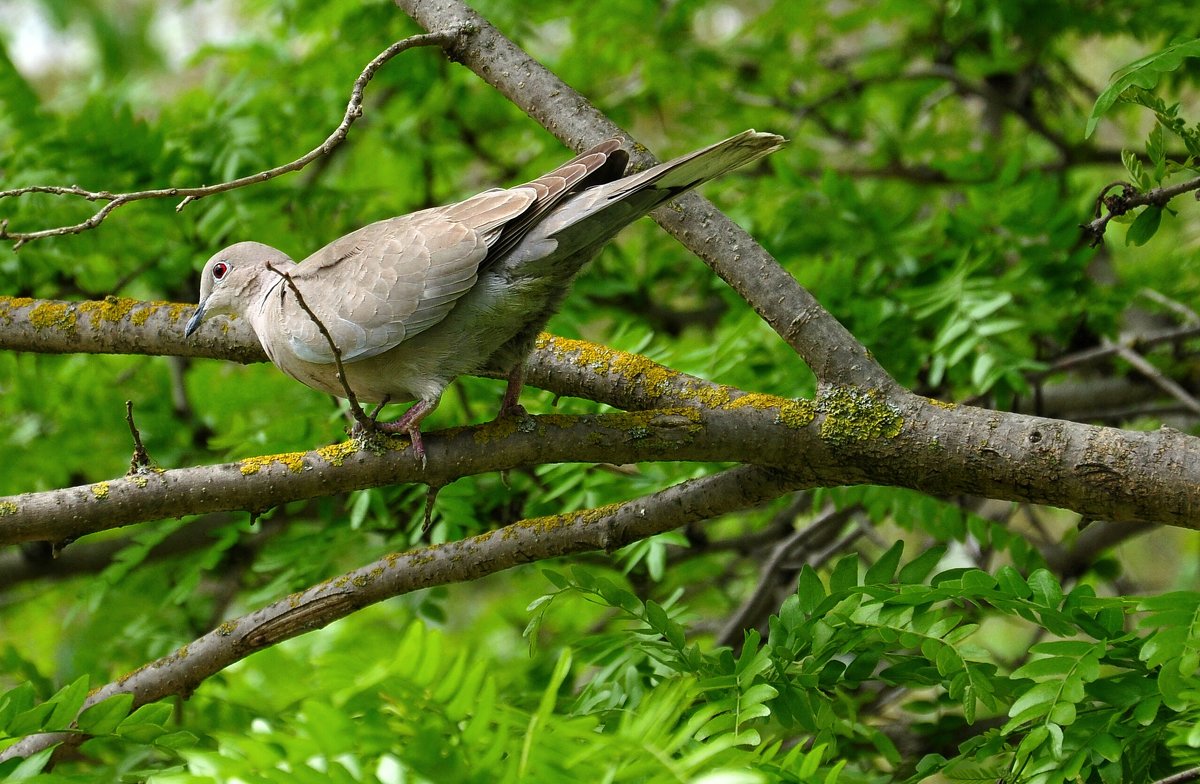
[235,278]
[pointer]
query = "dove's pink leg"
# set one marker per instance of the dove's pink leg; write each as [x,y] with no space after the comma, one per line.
[512,393]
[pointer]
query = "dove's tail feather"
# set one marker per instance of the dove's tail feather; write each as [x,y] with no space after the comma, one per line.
[593,216]
[702,165]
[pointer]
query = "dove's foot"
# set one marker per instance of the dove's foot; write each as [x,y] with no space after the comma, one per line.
[409,425]
[412,430]
[515,410]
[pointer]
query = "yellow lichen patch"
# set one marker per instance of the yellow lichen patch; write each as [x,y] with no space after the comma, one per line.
[336,454]
[637,370]
[53,315]
[857,415]
[10,304]
[797,413]
[111,309]
[363,580]
[381,443]
[100,490]
[792,413]
[140,316]
[176,310]
[7,508]
[140,481]
[227,628]
[667,420]
[941,404]
[706,395]
[550,523]
[293,461]
[535,524]
[497,429]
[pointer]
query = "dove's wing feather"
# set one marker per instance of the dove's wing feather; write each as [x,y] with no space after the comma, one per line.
[392,280]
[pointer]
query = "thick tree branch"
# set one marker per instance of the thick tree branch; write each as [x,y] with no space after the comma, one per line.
[846,435]
[608,528]
[117,200]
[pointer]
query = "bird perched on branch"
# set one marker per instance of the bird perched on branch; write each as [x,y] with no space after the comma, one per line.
[407,304]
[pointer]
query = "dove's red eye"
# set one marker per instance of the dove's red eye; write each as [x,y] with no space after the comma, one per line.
[220,269]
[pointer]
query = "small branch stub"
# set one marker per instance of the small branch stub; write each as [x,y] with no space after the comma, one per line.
[140,462]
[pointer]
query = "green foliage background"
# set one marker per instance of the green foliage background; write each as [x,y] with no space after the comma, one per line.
[931,197]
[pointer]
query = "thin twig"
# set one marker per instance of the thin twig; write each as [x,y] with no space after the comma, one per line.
[1155,376]
[1183,776]
[762,598]
[1128,199]
[360,416]
[1096,354]
[1189,316]
[441,38]
[140,460]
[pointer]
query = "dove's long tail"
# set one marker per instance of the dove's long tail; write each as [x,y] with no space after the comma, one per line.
[688,171]
[585,221]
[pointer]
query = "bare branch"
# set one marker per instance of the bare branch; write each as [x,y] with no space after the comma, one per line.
[1182,777]
[1155,376]
[777,572]
[1187,314]
[353,111]
[1110,348]
[468,559]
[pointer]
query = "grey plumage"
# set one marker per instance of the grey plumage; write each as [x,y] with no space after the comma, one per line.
[414,301]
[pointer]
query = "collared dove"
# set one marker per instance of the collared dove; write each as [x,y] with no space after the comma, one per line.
[415,301]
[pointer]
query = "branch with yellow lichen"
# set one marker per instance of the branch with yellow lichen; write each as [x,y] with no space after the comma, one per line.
[845,435]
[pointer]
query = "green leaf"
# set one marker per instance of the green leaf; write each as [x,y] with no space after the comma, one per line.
[884,569]
[15,701]
[657,617]
[157,713]
[105,716]
[809,590]
[916,570]
[67,703]
[1144,73]
[1144,226]
[31,766]
[845,574]
[1046,590]
[1134,167]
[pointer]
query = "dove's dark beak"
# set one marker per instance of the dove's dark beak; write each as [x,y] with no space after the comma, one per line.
[194,322]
